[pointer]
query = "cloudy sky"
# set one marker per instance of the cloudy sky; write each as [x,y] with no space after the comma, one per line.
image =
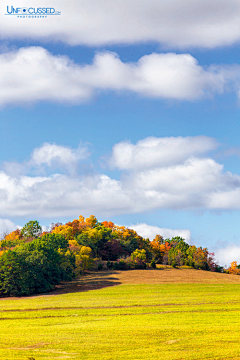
[128,110]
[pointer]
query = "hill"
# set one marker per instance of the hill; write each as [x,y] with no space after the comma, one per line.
[166,314]
[165,275]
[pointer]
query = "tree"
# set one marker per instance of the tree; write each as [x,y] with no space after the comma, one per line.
[31,229]
[36,266]
[130,240]
[177,255]
[83,259]
[112,250]
[95,238]
[108,224]
[159,248]
[234,268]
[139,255]
[139,259]
[92,221]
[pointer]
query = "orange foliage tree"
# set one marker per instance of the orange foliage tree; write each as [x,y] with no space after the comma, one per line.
[233,269]
[159,247]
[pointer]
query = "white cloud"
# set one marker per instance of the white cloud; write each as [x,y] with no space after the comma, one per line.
[6,226]
[188,182]
[178,23]
[48,153]
[228,254]
[158,152]
[33,74]
[53,155]
[149,231]
[59,195]
[49,156]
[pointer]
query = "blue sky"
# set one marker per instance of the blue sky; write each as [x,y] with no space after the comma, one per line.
[130,115]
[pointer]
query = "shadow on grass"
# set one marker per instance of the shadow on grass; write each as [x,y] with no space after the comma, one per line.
[89,281]
[86,282]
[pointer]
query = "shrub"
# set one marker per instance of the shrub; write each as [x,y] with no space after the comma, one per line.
[153,264]
[140,265]
[109,264]
[115,266]
[123,265]
[100,266]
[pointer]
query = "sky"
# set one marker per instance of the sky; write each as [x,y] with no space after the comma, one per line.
[127,110]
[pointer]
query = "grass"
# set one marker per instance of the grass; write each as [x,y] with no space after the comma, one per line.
[166,314]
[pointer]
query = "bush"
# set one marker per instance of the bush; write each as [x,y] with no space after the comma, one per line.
[100,267]
[140,265]
[109,264]
[219,269]
[153,264]
[115,266]
[121,265]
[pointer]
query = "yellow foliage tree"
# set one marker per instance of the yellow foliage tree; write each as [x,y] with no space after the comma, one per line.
[124,233]
[64,230]
[139,255]
[83,260]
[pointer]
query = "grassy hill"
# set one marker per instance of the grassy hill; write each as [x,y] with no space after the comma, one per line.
[168,314]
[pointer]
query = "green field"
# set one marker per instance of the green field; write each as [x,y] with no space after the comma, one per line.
[128,321]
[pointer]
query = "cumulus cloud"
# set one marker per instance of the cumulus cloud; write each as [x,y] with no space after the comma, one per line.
[52,155]
[191,181]
[61,195]
[33,74]
[48,153]
[49,156]
[149,231]
[178,23]
[228,254]
[158,152]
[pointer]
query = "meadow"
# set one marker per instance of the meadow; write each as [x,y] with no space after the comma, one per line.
[168,314]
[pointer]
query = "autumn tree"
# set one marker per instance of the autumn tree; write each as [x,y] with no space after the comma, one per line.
[139,258]
[108,224]
[234,268]
[84,260]
[159,248]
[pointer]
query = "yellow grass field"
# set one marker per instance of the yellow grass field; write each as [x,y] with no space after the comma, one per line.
[170,314]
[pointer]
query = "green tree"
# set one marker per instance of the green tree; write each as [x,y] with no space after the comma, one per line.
[36,266]
[32,229]
[95,238]
[177,255]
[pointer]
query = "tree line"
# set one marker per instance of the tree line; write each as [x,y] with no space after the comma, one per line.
[35,261]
